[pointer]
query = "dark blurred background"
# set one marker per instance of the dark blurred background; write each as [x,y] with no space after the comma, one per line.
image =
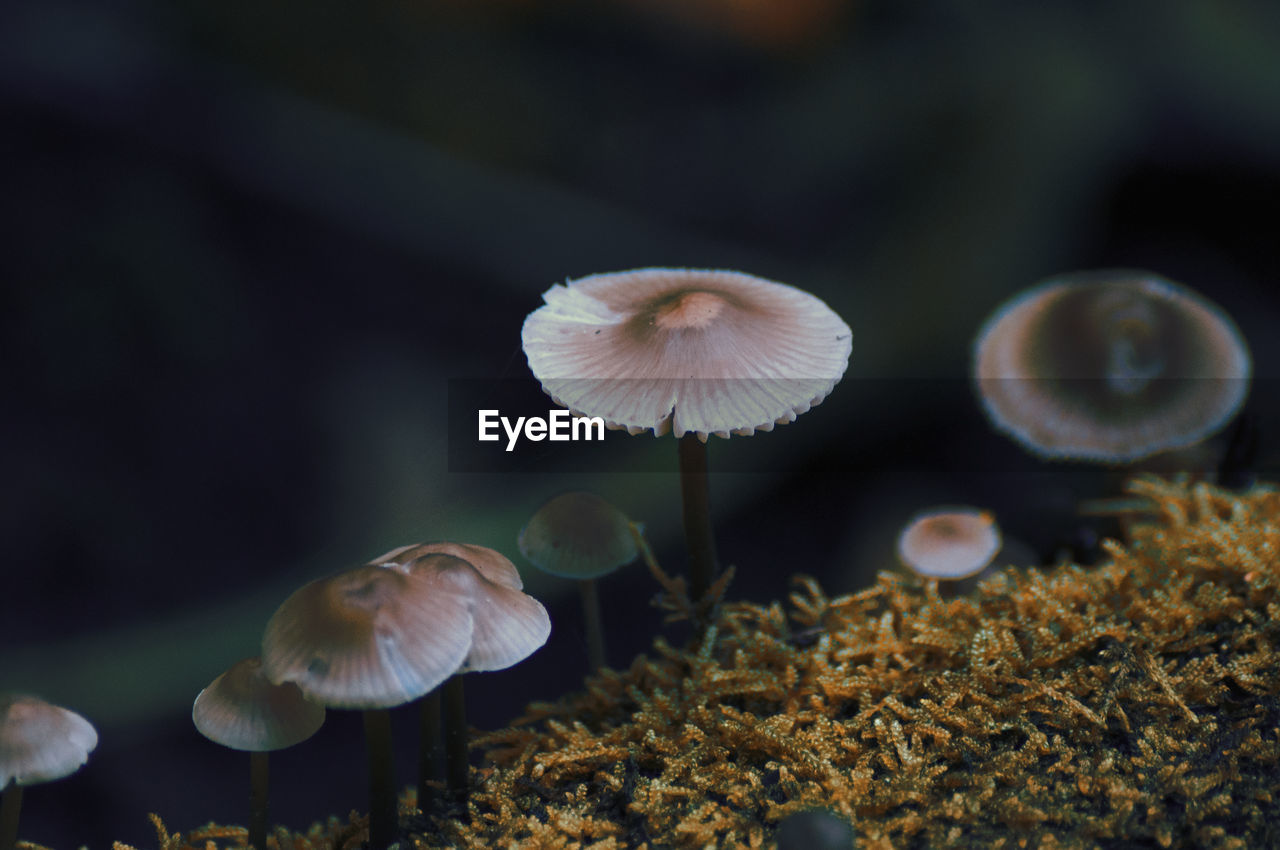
[247,246]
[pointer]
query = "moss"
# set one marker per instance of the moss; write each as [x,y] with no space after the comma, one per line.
[1132,704]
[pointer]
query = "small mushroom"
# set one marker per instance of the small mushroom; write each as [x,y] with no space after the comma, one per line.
[242,710]
[1110,366]
[947,544]
[39,742]
[695,352]
[371,638]
[581,536]
[508,626]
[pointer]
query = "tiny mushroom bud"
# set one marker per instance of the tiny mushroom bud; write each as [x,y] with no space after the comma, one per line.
[1110,367]
[695,352]
[39,742]
[242,710]
[949,544]
[581,536]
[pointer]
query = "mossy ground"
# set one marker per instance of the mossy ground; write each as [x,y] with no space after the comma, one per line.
[1131,704]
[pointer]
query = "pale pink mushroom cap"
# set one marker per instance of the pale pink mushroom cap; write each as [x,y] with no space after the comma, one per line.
[40,742]
[509,625]
[949,543]
[692,351]
[578,535]
[371,637]
[242,710]
[1110,366]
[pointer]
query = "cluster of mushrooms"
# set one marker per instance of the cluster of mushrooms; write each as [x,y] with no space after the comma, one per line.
[1107,367]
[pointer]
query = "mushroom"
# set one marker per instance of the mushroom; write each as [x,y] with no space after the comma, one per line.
[39,742]
[508,626]
[1109,366]
[581,536]
[371,638]
[242,710]
[695,352]
[947,544]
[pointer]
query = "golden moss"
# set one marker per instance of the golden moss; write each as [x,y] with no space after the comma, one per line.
[1133,703]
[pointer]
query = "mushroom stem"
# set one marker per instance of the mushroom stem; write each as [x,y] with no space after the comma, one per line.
[455,737]
[10,807]
[591,623]
[429,748]
[259,781]
[382,779]
[698,538]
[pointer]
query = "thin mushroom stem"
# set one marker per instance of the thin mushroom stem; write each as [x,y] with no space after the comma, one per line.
[10,808]
[698,537]
[259,782]
[382,779]
[455,737]
[428,748]
[591,622]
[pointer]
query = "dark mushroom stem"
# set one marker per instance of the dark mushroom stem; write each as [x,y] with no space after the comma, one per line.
[591,623]
[698,537]
[10,807]
[429,748]
[382,779]
[259,782]
[455,738]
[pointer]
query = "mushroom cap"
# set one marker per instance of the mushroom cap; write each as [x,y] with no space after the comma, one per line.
[243,710]
[41,742]
[508,624]
[375,636]
[1110,366]
[578,535]
[693,351]
[949,542]
[491,563]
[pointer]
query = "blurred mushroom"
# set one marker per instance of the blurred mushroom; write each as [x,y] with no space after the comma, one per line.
[581,536]
[692,351]
[945,545]
[1109,366]
[242,710]
[39,742]
[371,638]
[508,626]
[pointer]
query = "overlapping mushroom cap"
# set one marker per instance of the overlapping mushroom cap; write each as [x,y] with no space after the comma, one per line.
[707,352]
[41,742]
[1110,366]
[371,637]
[243,710]
[949,542]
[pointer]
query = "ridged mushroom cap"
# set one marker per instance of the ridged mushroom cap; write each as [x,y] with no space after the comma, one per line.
[1110,366]
[949,542]
[508,624]
[41,742]
[243,710]
[375,636]
[491,563]
[578,535]
[692,351]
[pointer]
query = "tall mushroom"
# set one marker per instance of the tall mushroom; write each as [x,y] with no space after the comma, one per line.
[39,742]
[508,626]
[695,352]
[242,710]
[579,535]
[371,638]
[1109,366]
